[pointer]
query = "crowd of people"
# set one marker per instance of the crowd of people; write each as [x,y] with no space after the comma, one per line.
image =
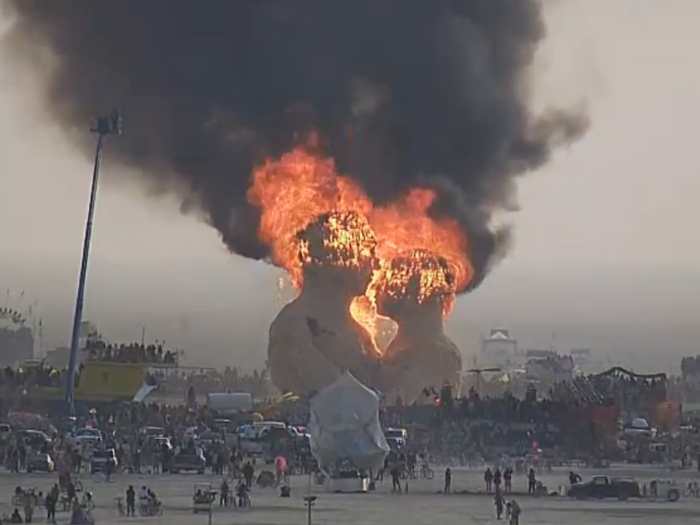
[99,350]
[31,375]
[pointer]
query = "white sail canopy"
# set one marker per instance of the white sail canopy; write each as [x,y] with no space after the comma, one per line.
[344,425]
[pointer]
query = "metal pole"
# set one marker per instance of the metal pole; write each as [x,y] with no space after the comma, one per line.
[78,316]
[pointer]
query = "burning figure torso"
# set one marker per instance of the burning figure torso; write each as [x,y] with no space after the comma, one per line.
[314,339]
[416,292]
[420,356]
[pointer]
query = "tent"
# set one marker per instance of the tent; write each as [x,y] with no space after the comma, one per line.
[344,425]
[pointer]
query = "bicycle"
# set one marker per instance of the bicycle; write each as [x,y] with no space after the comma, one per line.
[153,508]
[120,506]
[426,472]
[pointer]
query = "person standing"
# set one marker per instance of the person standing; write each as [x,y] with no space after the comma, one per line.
[498,502]
[514,513]
[394,472]
[488,479]
[531,481]
[497,477]
[248,473]
[508,480]
[448,481]
[51,502]
[131,501]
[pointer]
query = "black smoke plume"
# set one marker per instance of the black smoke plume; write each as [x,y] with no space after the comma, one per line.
[400,91]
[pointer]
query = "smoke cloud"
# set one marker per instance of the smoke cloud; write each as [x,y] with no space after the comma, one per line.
[401,92]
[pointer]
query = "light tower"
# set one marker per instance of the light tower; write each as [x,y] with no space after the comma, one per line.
[102,126]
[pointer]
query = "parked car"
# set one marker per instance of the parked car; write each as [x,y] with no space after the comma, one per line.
[5,432]
[188,462]
[40,462]
[99,460]
[161,441]
[601,487]
[85,436]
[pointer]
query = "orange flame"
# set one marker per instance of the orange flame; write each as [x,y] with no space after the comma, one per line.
[301,186]
[291,193]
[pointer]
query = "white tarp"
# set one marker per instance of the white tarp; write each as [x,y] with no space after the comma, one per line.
[143,392]
[344,425]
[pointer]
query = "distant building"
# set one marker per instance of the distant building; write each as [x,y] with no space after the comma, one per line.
[16,339]
[58,357]
[498,349]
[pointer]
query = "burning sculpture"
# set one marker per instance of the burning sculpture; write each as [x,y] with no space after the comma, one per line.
[357,268]
[416,291]
[314,339]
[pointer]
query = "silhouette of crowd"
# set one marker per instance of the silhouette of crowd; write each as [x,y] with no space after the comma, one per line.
[99,350]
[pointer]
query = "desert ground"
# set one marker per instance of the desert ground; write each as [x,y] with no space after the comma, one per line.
[422,505]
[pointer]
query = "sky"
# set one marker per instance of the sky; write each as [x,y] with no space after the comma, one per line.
[606,250]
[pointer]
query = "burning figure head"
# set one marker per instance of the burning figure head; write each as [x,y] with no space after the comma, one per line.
[415,280]
[416,289]
[314,338]
[338,248]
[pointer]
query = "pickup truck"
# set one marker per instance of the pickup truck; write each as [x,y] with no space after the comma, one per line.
[601,487]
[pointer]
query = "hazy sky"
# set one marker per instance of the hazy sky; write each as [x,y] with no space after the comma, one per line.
[624,197]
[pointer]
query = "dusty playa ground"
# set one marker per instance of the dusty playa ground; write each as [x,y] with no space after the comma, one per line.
[422,505]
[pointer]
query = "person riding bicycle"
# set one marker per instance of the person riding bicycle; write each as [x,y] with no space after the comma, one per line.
[243,494]
[144,499]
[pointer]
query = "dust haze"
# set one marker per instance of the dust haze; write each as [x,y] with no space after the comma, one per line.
[646,320]
[606,250]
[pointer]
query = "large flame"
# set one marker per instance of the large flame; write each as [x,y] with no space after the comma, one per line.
[295,190]
[292,192]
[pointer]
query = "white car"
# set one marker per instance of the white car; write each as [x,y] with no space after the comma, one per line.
[85,436]
[5,432]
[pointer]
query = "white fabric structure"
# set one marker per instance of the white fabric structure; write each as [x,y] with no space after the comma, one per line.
[143,392]
[344,425]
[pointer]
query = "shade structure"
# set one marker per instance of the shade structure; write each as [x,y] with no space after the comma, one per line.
[344,426]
